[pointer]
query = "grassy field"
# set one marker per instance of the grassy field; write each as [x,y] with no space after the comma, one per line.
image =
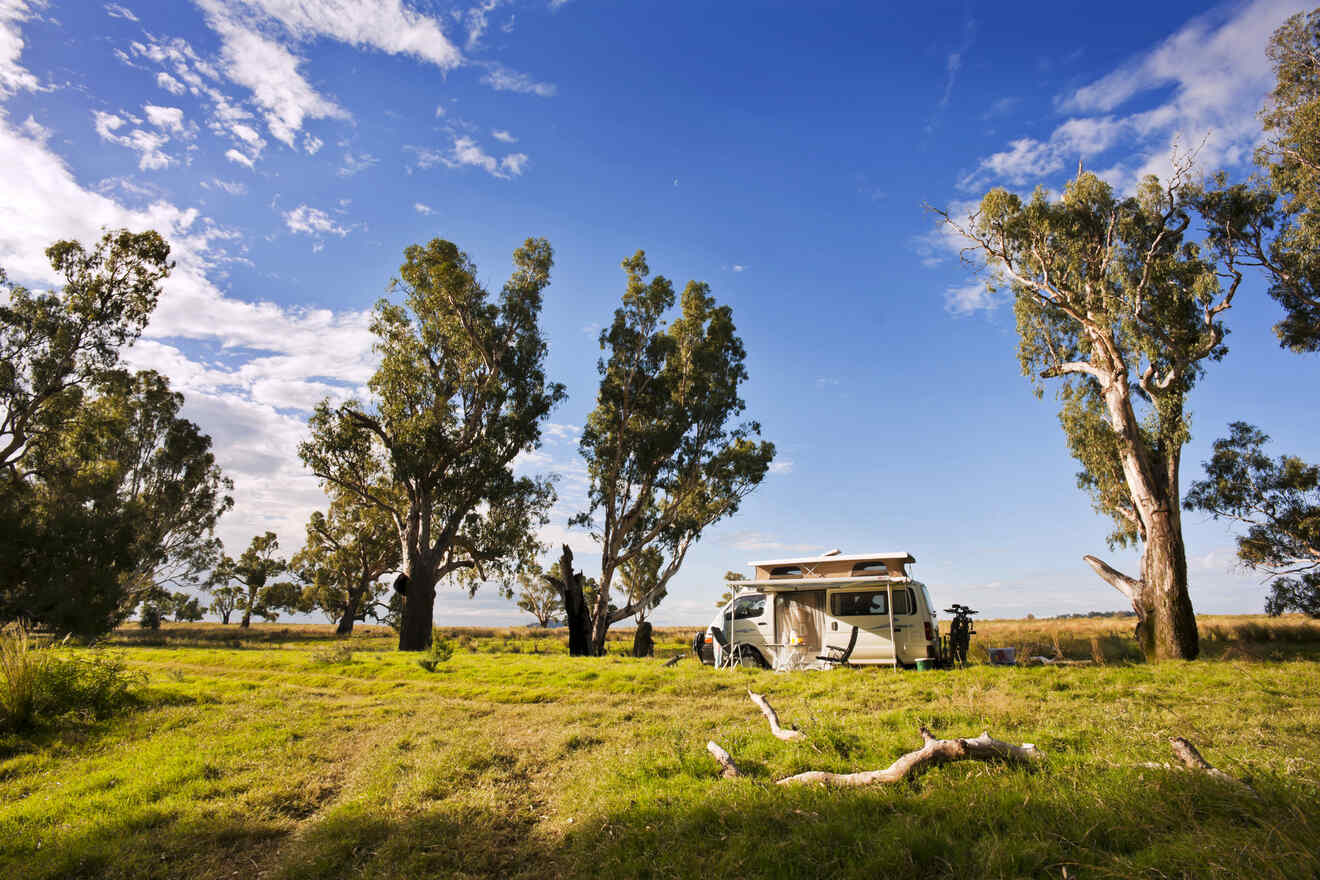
[286,753]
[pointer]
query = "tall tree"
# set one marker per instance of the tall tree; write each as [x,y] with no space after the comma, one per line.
[254,571]
[664,455]
[1113,299]
[460,392]
[1287,242]
[347,552]
[538,597]
[1278,500]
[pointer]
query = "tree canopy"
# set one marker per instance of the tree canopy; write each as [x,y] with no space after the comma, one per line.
[665,454]
[459,393]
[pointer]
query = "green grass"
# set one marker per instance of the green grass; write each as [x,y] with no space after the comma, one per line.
[278,756]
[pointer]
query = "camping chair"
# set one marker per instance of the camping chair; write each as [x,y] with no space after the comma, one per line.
[838,655]
[723,641]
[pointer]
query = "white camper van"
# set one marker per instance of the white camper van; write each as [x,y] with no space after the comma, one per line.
[824,610]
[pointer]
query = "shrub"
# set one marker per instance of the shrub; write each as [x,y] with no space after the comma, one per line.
[440,651]
[45,684]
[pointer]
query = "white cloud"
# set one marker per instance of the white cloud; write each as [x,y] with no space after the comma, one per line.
[503,136]
[466,151]
[114,10]
[356,163]
[970,298]
[738,267]
[312,144]
[439,111]
[312,221]
[1209,77]
[386,25]
[146,144]
[270,71]
[232,187]
[13,76]
[502,79]
[781,466]
[235,156]
[477,22]
[165,118]
[425,210]
[170,84]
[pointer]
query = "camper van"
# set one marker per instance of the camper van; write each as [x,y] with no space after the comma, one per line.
[821,611]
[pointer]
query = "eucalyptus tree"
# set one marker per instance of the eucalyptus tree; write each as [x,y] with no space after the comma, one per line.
[729,577]
[665,455]
[254,572]
[224,601]
[1278,500]
[348,549]
[460,392]
[538,597]
[1118,303]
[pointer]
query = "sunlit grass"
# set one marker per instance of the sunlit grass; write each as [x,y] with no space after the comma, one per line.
[282,755]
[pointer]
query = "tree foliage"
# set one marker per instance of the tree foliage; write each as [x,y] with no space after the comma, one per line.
[460,392]
[1287,243]
[729,577]
[1114,297]
[106,492]
[664,454]
[1278,500]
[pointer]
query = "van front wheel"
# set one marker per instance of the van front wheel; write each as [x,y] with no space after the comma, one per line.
[750,657]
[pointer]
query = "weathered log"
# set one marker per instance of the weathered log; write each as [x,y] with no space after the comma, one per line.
[773,717]
[672,661]
[728,768]
[935,751]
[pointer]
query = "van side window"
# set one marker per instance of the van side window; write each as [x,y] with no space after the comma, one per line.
[749,606]
[870,568]
[786,571]
[863,603]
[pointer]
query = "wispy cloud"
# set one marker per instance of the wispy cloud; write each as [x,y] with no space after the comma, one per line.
[355,163]
[503,136]
[114,10]
[13,76]
[1215,74]
[423,209]
[502,79]
[306,220]
[467,152]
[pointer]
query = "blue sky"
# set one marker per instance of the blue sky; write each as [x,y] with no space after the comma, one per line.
[290,149]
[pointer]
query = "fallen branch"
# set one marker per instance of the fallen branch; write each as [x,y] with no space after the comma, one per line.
[728,768]
[935,751]
[672,661]
[1191,759]
[773,717]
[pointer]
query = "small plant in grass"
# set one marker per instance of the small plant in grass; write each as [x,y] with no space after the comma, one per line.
[440,651]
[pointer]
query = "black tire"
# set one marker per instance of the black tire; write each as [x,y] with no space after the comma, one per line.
[749,656]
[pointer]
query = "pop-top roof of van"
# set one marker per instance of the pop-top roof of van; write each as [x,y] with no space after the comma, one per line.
[836,557]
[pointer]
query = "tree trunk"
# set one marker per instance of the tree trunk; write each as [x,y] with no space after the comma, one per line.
[418,608]
[643,646]
[1169,631]
[224,618]
[600,615]
[247,618]
[351,608]
[576,614]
